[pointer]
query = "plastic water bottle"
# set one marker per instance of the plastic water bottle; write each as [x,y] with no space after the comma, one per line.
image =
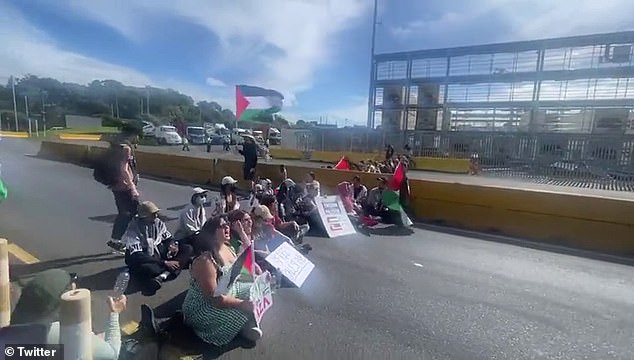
[121,284]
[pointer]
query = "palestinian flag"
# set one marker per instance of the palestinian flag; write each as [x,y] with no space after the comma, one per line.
[245,263]
[252,101]
[397,193]
[391,200]
[3,191]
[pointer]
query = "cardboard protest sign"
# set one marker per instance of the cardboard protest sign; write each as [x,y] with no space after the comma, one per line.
[291,263]
[261,296]
[334,216]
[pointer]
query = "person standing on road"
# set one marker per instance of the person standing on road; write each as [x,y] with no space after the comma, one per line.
[152,254]
[185,144]
[250,153]
[124,190]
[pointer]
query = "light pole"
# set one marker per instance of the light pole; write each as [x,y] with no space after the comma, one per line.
[372,69]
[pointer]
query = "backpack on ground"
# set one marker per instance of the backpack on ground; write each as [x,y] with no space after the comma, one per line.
[106,169]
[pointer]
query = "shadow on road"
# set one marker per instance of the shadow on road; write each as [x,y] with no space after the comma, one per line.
[18,272]
[183,341]
[111,218]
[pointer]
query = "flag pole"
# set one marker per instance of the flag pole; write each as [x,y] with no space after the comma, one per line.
[15,104]
[236,125]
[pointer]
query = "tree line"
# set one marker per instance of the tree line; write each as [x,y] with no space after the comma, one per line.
[108,99]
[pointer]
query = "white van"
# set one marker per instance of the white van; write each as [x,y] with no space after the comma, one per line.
[167,135]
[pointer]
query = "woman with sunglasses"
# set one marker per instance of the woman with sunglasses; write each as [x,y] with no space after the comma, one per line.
[217,318]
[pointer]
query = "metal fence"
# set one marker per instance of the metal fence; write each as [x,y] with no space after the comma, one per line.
[583,160]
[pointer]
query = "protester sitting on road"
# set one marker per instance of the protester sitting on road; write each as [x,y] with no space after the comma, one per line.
[345,193]
[312,188]
[40,303]
[359,191]
[192,217]
[217,319]
[374,204]
[117,165]
[289,228]
[241,230]
[256,195]
[228,199]
[152,255]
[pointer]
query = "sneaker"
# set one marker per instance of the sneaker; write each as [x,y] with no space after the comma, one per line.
[152,287]
[117,246]
[148,320]
[253,334]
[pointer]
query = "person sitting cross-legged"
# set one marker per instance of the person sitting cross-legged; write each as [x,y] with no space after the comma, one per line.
[152,255]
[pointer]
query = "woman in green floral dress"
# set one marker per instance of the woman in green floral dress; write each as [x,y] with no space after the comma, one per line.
[218,319]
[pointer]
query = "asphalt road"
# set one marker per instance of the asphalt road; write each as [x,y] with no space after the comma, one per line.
[430,295]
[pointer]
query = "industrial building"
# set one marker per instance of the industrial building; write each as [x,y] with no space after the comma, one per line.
[581,84]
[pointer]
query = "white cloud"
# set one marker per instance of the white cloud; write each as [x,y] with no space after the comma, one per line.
[277,43]
[524,19]
[355,112]
[215,82]
[27,50]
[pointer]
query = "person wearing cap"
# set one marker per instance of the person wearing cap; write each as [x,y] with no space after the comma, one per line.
[152,255]
[227,200]
[264,232]
[193,217]
[250,153]
[40,302]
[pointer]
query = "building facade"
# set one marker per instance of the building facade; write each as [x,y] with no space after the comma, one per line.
[582,84]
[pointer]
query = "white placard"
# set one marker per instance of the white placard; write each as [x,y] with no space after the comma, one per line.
[334,216]
[261,296]
[291,263]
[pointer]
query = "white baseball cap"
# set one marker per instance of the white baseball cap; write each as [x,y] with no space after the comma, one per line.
[228,180]
[199,190]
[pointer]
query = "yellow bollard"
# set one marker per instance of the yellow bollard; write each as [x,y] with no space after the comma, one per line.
[5,285]
[76,325]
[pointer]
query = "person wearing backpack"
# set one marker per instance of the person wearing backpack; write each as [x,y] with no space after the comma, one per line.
[117,172]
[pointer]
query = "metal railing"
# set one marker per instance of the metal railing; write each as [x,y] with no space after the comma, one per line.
[582,160]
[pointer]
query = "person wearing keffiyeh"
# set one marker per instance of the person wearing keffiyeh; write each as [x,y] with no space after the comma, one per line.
[152,254]
[193,217]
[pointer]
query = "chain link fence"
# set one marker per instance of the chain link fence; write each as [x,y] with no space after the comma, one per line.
[581,160]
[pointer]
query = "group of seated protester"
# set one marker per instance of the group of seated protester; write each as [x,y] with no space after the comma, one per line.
[154,255]
[368,207]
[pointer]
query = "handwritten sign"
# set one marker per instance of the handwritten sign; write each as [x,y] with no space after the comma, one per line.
[334,217]
[291,263]
[261,296]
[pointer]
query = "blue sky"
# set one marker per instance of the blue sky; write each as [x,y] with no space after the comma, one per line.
[316,52]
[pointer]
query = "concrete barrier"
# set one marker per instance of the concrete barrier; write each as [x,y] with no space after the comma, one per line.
[453,166]
[81,137]
[286,154]
[588,222]
[13,134]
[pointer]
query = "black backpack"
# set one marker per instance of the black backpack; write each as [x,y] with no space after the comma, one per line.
[106,169]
